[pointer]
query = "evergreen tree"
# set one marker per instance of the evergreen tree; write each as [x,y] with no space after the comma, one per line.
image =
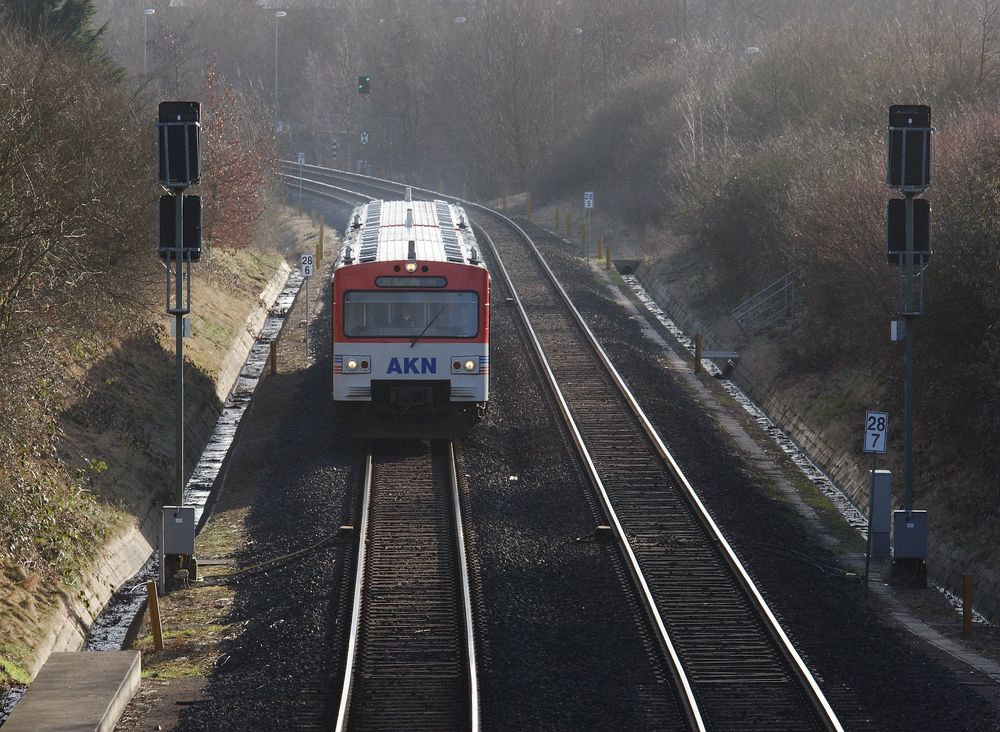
[63,22]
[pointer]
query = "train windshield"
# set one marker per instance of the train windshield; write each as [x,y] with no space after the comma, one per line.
[411,314]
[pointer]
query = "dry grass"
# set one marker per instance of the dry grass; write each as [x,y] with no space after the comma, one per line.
[221,300]
[196,621]
[108,414]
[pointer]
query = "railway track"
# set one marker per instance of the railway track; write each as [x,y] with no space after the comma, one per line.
[411,658]
[734,666]
[741,670]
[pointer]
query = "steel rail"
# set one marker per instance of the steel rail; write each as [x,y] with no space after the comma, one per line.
[326,189]
[352,642]
[470,637]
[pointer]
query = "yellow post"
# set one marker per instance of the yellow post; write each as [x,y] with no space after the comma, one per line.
[154,615]
[312,217]
[557,219]
[607,257]
[697,352]
[967,605]
[600,248]
[529,207]
[319,246]
[569,224]
[274,358]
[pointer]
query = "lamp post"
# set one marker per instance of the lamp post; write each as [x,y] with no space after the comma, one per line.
[145,37]
[278,14]
[578,32]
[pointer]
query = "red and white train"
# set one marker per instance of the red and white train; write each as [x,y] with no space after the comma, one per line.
[411,321]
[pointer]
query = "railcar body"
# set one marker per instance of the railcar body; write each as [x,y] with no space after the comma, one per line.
[411,320]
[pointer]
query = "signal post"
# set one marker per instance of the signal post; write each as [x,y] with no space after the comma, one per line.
[908,240]
[179,137]
[365,90]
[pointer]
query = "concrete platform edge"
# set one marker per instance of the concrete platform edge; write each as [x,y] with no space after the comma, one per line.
[79,691]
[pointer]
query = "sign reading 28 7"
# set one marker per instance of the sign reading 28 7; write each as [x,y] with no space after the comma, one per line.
[876,431]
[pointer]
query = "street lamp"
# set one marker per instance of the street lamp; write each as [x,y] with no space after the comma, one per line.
[278,14]
[578,32]
[145,35]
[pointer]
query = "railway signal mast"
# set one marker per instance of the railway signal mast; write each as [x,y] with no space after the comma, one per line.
[179,138]
[908,169]
[365,90]
[588,205]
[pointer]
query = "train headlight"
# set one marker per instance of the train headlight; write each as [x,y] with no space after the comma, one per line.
[357,364]
[411,266]
[465,364]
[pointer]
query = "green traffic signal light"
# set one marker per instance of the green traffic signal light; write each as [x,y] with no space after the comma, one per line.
[364,85]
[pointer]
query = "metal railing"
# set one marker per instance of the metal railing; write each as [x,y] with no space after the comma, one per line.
[775,301]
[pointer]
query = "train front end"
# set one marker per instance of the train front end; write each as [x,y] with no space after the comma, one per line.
[410,322]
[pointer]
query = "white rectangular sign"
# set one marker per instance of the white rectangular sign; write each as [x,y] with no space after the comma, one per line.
[876,431]
[186,326]
[588,199]
[306,265]
[301,158]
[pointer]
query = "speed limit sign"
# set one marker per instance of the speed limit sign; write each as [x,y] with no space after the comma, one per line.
[306,265]
[876,431]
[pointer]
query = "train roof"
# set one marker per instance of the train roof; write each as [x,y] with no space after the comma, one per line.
[429,231]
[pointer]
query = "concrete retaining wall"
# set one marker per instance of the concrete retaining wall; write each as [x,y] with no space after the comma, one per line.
[232,364]
[127,552]
[946,562]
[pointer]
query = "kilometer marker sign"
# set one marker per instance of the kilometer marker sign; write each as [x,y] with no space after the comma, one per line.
[876,431]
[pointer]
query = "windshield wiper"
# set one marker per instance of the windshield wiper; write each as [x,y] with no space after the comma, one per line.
[426,327]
